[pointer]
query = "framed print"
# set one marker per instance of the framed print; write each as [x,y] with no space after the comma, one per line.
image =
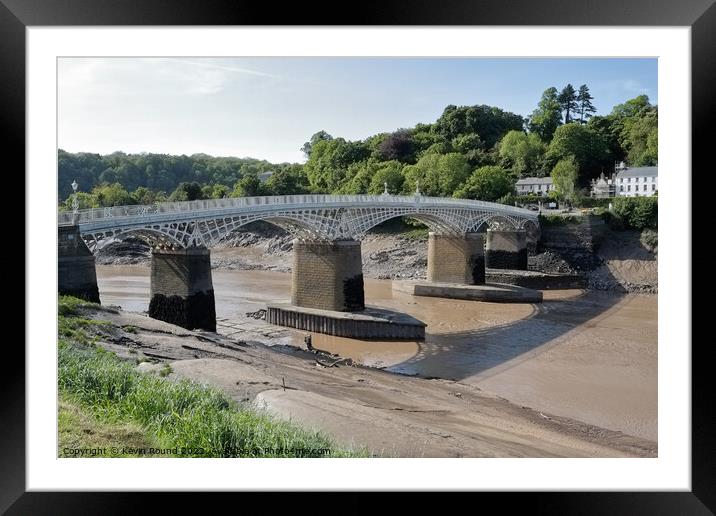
[420,245]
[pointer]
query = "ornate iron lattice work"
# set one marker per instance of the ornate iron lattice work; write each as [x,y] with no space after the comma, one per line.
[314,217]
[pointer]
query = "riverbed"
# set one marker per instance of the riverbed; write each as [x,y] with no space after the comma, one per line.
[589,356]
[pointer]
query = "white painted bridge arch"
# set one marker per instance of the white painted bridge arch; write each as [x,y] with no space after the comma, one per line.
[320,217]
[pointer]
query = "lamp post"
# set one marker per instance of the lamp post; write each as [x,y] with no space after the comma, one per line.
[75,203]
[385,190]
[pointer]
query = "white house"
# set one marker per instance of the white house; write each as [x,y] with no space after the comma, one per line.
[636,181]
[534,185]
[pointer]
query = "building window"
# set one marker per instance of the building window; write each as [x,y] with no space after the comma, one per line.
[628,188]
[621,188]
[653,187]
[644,188]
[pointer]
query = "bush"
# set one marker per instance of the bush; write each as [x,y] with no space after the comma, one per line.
[636,212]
[558,220]
[649,239]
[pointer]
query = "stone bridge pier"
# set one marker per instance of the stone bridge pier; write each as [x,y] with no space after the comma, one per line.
[76,273]
[327,275]
[506,249]
[182,291]
[456,259]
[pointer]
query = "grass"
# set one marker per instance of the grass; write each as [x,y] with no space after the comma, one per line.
[83,435]
[192,419]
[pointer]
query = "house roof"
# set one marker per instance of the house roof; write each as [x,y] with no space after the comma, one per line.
[535,181]
[639,172]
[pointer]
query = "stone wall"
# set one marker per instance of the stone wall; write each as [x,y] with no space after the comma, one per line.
[182,291]
[327,275]
[584,236]
[76,273]
[454,259]
[506,249]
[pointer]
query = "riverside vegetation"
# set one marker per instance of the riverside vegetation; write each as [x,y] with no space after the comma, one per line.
[474,152]
[106,403]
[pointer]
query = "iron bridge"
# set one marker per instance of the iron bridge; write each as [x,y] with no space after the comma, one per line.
[205,223]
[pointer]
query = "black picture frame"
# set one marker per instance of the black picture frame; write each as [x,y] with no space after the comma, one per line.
[700,15]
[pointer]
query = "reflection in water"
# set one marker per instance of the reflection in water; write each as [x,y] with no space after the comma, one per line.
[591,356]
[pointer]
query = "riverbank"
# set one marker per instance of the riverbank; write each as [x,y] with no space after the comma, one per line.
[586,355]
[388,414]
[149,413]
[622,263]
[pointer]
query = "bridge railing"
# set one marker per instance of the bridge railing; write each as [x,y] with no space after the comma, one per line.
[117,212]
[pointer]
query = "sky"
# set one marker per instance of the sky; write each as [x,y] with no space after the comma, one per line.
[266,108]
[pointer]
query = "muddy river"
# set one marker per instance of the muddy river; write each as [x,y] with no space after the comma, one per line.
[588,356]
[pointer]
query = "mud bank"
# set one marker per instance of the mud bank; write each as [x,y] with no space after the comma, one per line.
[390,414]
[590,356]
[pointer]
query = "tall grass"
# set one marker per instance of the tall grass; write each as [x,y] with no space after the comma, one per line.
[194,419]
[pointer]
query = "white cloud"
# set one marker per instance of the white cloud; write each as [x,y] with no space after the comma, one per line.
[630,86]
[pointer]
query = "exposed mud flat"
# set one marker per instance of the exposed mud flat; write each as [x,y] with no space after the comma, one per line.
[391,415]
[587,356]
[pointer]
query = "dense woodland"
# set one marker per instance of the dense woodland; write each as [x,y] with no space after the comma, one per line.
[475,152]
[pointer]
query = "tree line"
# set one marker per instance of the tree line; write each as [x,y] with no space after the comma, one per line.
[475,152]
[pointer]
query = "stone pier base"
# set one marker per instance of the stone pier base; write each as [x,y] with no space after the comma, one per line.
[76,273]
[327,275]
[506,249]
[490,292]
[453,259]
[182,292]
[372,323]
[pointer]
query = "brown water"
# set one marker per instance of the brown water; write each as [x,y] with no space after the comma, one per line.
[589,356]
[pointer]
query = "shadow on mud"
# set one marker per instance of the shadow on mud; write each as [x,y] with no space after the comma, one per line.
[487,351]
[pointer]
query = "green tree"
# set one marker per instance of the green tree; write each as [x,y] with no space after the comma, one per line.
[187,192]
[86,201]
[472,147]
[568,101]
[248,186]
[584,101]
[219,191]
[632,107]
[439,175]
[289,180]
[522,153]
[327,168]
[564,178]
[488,183]
[317,137]
[143,195]
[489,122]
[548,115]
[112,195]
[391,173]
[586,145]
[640,138]
[610,130]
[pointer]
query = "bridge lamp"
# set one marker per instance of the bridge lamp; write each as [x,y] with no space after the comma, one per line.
[75,202]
